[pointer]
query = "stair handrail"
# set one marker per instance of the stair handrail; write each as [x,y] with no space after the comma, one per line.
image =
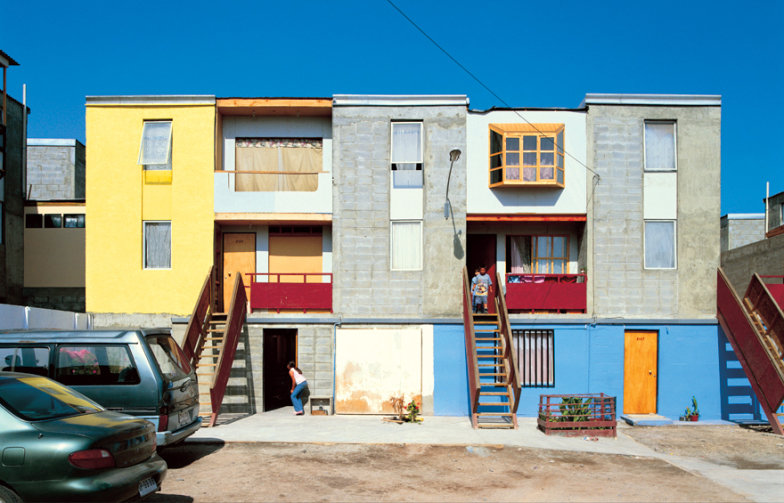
[474,385]
[509,353]
[235,319]
[749,348]
[196,329]
[761,301]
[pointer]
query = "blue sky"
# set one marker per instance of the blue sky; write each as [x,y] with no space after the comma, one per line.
[531,54]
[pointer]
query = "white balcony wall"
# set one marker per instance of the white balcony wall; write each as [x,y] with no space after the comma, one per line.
[227,200]
[521,200]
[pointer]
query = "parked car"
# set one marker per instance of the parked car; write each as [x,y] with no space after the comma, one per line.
[58,445]
[138,372]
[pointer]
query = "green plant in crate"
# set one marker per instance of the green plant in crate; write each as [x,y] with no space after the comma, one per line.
[574,408]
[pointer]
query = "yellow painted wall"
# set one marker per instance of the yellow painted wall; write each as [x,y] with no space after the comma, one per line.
[118,200]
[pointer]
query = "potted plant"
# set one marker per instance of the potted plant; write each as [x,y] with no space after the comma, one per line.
[693,413]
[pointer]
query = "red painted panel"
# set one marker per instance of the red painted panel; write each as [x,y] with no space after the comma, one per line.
[777,291]
[531,292]
[292,295]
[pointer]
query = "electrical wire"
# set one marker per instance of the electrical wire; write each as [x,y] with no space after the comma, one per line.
[479,81]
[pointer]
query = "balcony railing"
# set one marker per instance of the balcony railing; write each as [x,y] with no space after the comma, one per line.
[546,292]
[291,291]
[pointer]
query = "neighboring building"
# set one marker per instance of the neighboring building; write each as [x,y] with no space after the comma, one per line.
[775,212]
[149,242]
[352,218]
[740,229]
[54,224]
[13,134]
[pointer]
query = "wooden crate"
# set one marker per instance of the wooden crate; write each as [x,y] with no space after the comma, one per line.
[590,414]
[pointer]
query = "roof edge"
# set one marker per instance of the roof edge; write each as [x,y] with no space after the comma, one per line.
[651,99]
[173,99]
[389,100]
[52,142]
[744,216]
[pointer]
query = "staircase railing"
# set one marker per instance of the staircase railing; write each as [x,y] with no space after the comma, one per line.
[196,330]
[764,377]
[510,356]
[235,320]
[470,345]
[759,300]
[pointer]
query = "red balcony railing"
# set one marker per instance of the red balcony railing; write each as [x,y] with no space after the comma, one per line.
[292,291]
[546,292]
[775,286]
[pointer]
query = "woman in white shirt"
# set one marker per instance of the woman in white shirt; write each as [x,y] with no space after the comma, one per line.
[298,385]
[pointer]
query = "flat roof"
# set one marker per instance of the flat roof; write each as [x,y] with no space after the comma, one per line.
[6,60]
[275,106]
[652,99]
[52,142]
[158,99]
[391,100]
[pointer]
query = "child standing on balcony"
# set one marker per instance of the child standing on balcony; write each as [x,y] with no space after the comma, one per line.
[483,285]
[298,385]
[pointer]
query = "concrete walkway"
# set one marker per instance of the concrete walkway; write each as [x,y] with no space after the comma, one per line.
[282,426]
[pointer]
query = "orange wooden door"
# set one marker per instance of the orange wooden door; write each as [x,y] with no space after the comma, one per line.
[295,254]
[239,254]
[640,366]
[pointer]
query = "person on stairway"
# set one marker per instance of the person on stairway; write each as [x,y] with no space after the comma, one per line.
[298,385]
[484,284]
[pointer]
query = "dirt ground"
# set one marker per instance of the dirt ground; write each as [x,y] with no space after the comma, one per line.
[745,449]
[346,472]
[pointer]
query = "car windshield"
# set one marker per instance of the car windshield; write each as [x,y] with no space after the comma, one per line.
[40,398]
[169,357]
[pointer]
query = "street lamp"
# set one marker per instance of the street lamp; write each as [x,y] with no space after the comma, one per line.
[453,156]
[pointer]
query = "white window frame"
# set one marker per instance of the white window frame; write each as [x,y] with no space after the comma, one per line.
[420,161]
[674,245]
[421,244]
[144,245]
[674,145]
[167,166]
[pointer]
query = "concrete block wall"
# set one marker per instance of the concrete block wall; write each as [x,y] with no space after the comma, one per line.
[12,218]
[776,210]
[618,283]
[314,358]
[740,231]
[55,169]
[765,257]
[364,285]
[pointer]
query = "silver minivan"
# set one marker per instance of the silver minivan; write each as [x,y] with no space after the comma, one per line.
[141,372]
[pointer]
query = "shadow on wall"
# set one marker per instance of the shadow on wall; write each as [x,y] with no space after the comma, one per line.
[738,401]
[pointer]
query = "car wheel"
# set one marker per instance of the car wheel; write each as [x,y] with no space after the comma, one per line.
[8,496]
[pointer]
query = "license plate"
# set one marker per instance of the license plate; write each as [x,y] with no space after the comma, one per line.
[147,486]
[184,417]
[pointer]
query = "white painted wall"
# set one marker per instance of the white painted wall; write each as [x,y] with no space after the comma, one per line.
[660,196]
[483,200]
[229,201]
[22,317]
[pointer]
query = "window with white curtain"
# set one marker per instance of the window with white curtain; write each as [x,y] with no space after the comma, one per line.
[157,245]
[660,146]
[155,149]
[406,246]
[407,155]
[660,244]
[535,357]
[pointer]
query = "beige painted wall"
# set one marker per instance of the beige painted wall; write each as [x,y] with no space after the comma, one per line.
[54,257]
[372,366]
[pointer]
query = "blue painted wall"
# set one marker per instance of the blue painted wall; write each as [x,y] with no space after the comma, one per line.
[589,359]
[450,371]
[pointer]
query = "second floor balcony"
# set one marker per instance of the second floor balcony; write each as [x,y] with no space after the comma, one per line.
[550,293]
[291,292]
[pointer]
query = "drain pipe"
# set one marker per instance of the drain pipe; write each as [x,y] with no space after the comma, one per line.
[334,360]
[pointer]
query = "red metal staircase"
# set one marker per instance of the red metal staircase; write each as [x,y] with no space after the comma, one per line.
[211,340]
[494,387]
[755,328]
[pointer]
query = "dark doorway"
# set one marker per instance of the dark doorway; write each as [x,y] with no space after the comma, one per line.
[280,348]
[481,253]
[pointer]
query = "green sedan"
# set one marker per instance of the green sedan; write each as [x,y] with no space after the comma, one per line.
[58,445]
